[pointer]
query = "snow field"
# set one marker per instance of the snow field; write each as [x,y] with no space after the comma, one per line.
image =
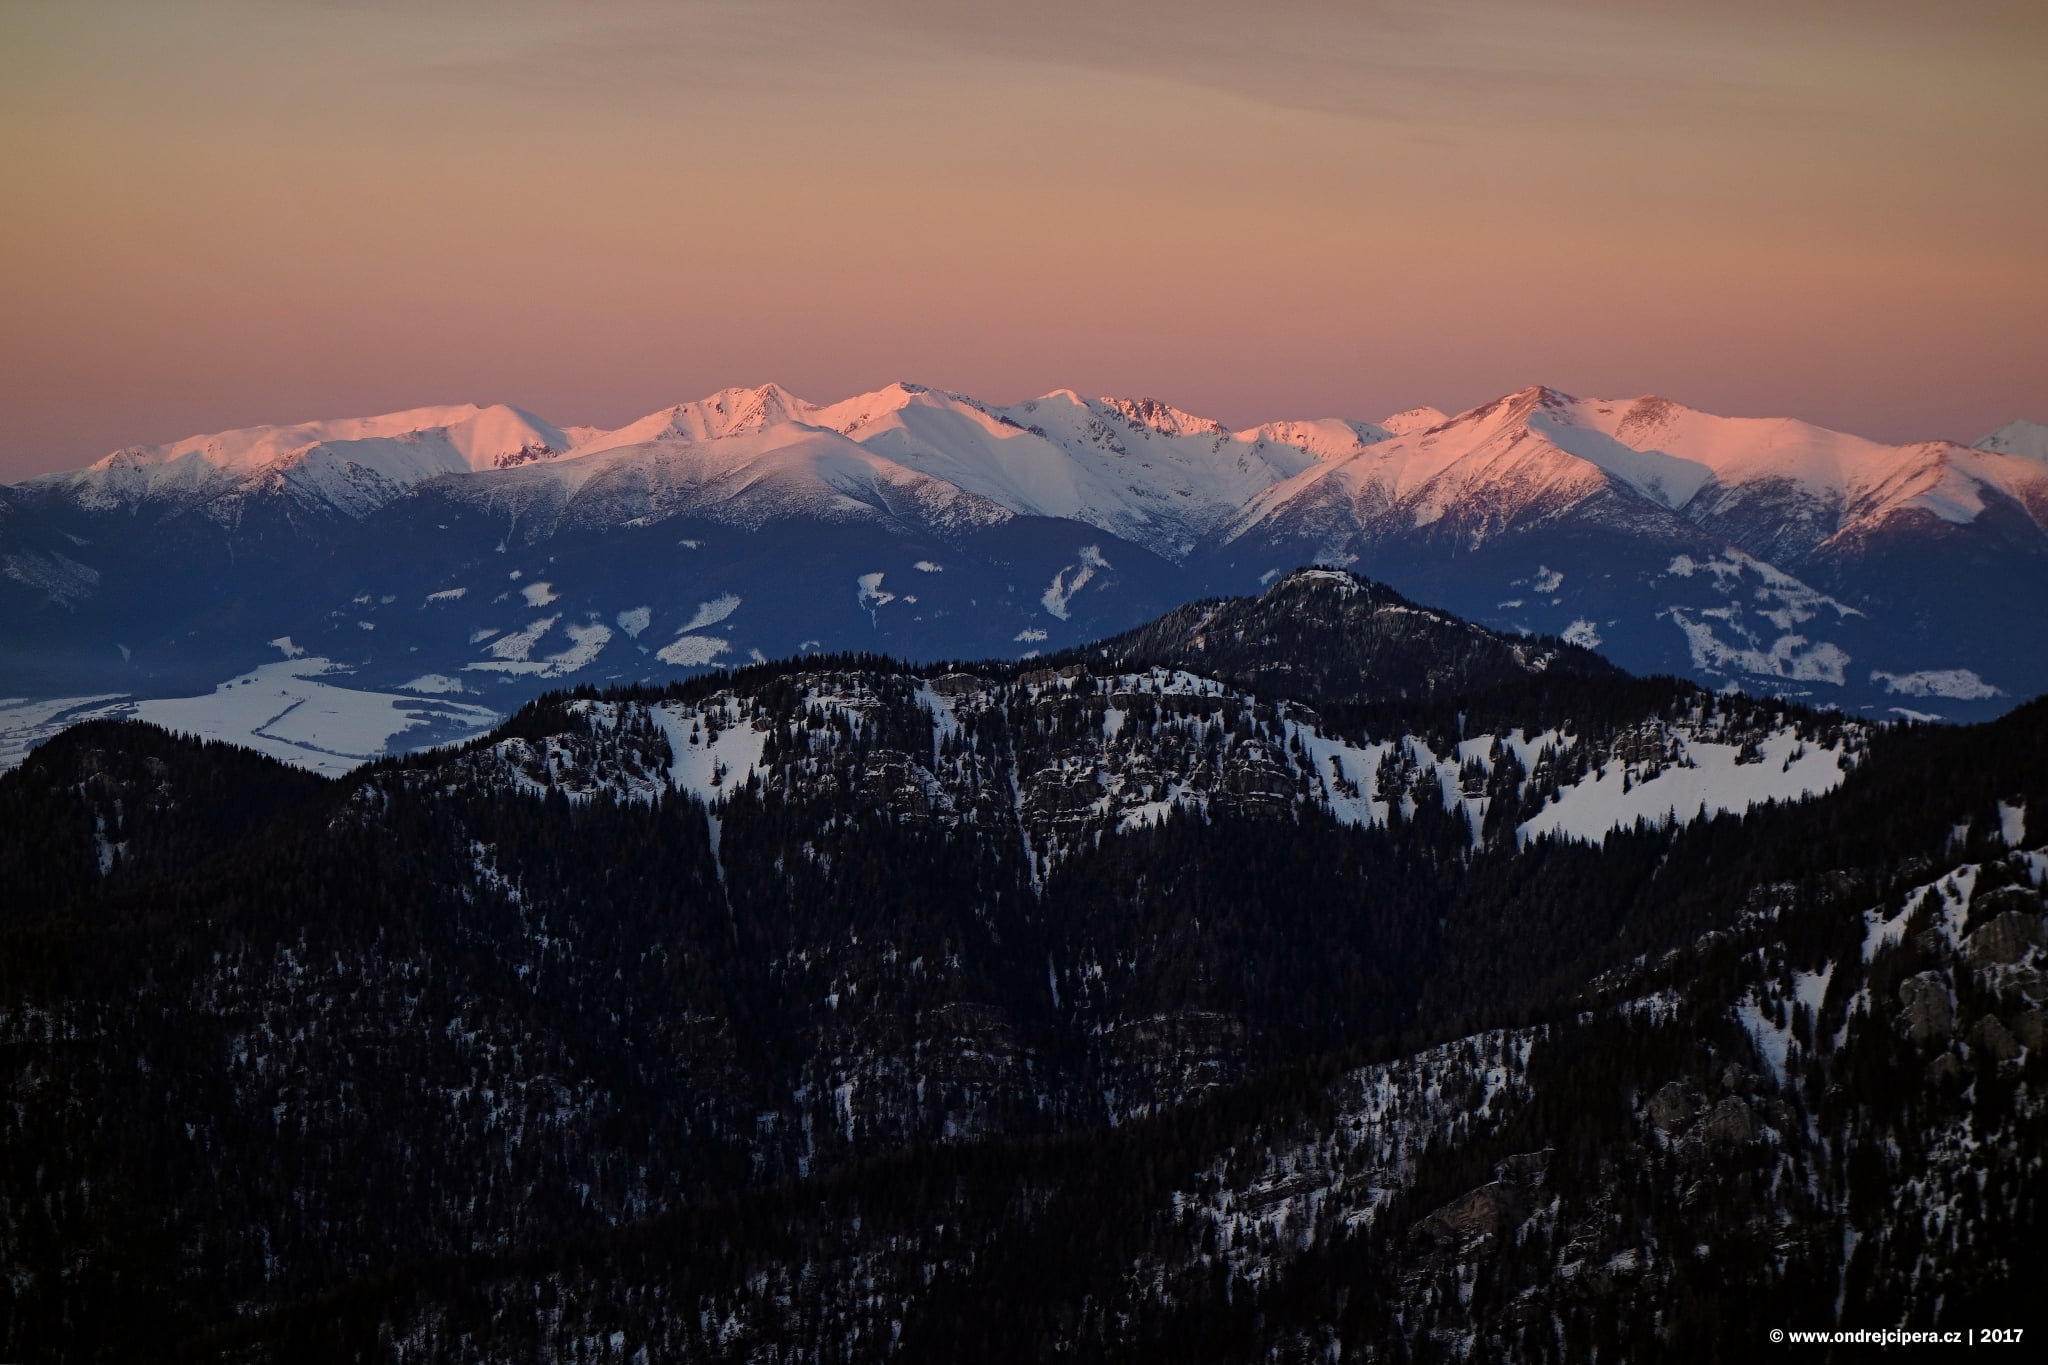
[25,722]
[285,710]
[1609,799]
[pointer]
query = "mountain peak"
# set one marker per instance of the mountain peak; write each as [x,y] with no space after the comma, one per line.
[751,409]
[347,464]
[1540,397]
[2018,437]
[1517,407]
[1413,420]
[1162,418]
[1312,579]
[1324,634]
[725,413]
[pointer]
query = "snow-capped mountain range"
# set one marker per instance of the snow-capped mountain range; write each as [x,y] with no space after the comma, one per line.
[1138,469]
[466,550]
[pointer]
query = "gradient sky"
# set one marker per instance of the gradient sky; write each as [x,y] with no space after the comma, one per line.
[227,212]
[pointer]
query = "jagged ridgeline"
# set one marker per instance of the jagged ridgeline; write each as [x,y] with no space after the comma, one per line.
[1303,977]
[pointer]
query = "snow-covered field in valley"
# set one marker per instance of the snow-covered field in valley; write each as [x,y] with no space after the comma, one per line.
[285,709]
[26,722]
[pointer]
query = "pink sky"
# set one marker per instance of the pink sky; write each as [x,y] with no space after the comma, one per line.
[228,212]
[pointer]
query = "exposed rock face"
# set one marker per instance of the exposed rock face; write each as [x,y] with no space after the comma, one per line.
[1731,1122]
[2006,939]
[1484,1212]
[2031,1028]
[1992,1036]
[1930,1015]
[1669,1108]
[1489,1212]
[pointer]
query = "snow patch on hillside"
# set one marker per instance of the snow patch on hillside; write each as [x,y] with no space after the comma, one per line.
[1714,780]
[704,763]
[1344,774]
[1796,602]
[1959,684]
[586,642]
[518,645]
[2012,823]
[434,684]
[692,651]
[712,612]
[1792,657]
[513,653]
[1058,598]
[869,592]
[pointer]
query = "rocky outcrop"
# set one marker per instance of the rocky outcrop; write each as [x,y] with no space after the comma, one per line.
[1731,1122]
[1670,1109]
[2006,938]
[1929,1012]
[1994,1038]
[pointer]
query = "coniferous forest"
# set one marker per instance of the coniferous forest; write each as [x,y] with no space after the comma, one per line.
[1274,983]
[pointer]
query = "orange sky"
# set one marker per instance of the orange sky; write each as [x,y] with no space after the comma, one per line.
[225,212]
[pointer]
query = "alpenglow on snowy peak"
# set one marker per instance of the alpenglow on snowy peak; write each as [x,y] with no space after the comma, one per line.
[477,555]
[349,466]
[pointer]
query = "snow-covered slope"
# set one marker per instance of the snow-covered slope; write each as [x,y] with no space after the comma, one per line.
[1827,555]
[750,476]
[349,465]
[1413,420]
[2018,437]
[1783,488]
[1137,468]
[1788,488]
[1472,477]
[725,413]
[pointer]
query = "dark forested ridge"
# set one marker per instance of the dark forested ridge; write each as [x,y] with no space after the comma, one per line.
[835,1010]
[1324,635]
